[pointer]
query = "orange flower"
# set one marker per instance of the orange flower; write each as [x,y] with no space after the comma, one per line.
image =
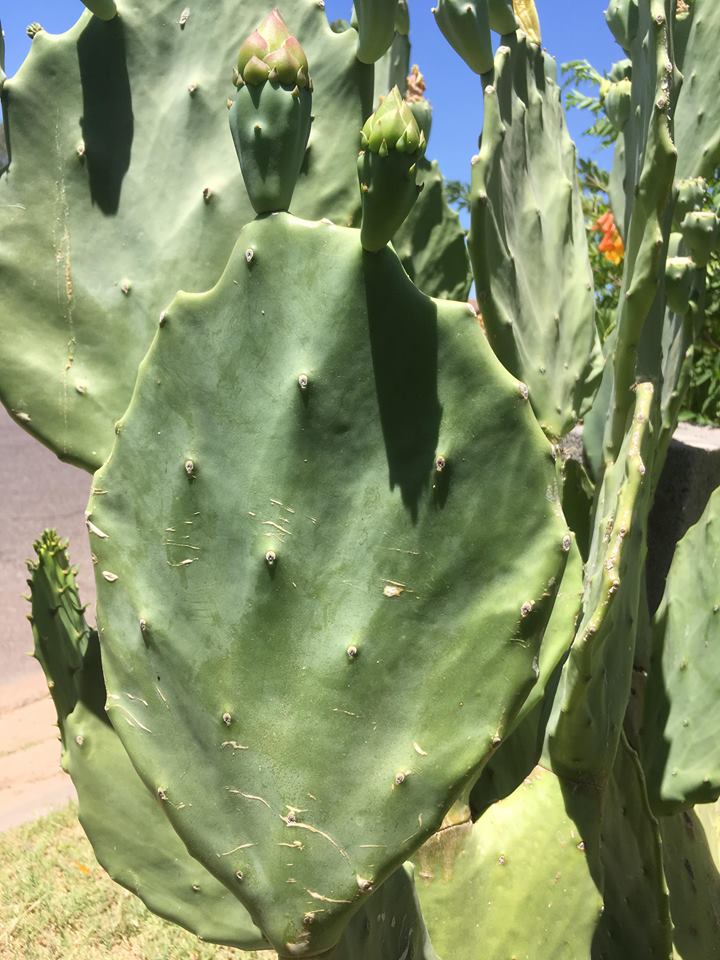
[605,223]
[611,244]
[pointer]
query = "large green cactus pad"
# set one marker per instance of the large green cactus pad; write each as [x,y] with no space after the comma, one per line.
[125,823]
[129,188]
[574,868]
[680,743]
[528,227]
[595,685]
[311,540]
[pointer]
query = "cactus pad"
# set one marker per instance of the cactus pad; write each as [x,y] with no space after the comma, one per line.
[131,836]
[290,533]
[527,225]
[595,685]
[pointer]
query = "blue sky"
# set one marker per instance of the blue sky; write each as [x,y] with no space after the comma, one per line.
[570,32]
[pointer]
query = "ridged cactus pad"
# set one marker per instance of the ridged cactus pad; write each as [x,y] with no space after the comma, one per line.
[320,548]
[526,218]
[124,821]
[595,686]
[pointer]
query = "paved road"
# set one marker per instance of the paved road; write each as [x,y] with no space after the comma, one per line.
[36,491]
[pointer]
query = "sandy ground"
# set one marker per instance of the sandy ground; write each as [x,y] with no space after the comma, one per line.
[38,491]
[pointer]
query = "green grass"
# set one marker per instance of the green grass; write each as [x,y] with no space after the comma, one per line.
[56,903]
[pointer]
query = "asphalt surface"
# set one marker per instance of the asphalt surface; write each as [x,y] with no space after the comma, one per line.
[36,491]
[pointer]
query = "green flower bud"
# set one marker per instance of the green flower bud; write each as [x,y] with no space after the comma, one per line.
[272,46]
[617,102]
[387,169]
[392,127]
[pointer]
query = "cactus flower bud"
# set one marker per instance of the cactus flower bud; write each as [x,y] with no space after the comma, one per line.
[392,144]
[617,102]
[622,17]
[273,45]
[271,116]
[415,99]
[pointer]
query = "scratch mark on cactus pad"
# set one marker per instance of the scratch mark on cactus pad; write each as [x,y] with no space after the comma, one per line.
[290,822]
[347,713]
[130,696]
[410,553]
[249,796]
[128,717]
[271,523]
[162,696]
[243,846]
[234,744]
[319,896]
[278,503]
[295,845]
[109,576]
[419,750]
[174,543]
[183,563]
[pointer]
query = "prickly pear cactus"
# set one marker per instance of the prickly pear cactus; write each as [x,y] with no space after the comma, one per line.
[353,606]
[356,419]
